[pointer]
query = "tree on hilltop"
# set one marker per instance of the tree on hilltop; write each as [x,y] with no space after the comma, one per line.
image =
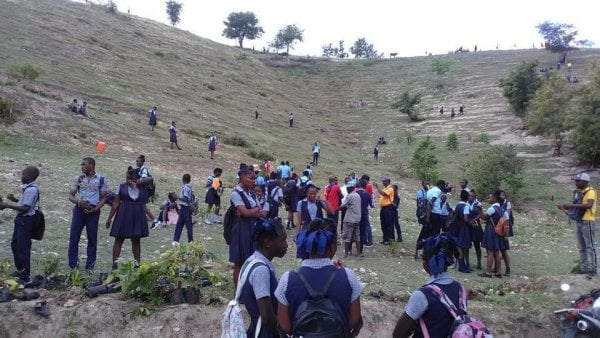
[174,11]
[338,52]
[363,49]
[287,36]
[242,25]
[560,37]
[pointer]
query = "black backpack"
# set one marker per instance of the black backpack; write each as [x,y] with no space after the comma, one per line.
[289,190]
[422,209]
[302,190]
[273,204]
[318,316]
[39,224]
[151,187]
[230,216]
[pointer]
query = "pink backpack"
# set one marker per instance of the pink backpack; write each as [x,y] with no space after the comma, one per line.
[464,326]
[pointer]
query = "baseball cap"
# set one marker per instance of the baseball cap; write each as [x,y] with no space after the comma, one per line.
[581,177]
[386,178]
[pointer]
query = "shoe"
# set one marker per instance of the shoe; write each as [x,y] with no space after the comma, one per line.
[582,272]
[163,224]
[345,255]
[485,275]
[175,243]
[399,240]
[288,228]
[207,221]
[154,225]
[498,275]
[115,266]
[479,267]
[368,245]
[384,243]
[507,272]
[217,219]
[4,294]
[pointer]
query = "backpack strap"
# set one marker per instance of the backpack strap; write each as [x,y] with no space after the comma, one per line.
[245,271]
[245,199]
[445,300]
[314,294]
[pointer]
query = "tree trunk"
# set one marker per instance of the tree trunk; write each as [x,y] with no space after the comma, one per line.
[241,41]
[287,53]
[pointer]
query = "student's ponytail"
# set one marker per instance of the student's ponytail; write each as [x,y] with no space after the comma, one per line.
[317,238]
[438,251]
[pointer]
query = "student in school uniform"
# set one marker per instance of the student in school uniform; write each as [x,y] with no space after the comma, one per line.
[185,212]
[291,118]
[316,151]
[290,196]
[491,241]
[24,221]
[507,206]
[274,193]
[173,135]
[434,196]
[462,231]
[446,211]
[344,289]
[476,232]
[213,196]
[212,145]
[370,191]
[333,195]
[258,291]
[153,117]
[396,204]
[88,193]
[351,233]
[145,181]
[241,245]
[310,208]
[424,304]
[129,210]
[166,206]
[366,202]
[261,198]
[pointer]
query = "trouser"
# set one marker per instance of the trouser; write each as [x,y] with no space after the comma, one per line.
[397,224]
[21,245]
[185,218]
[435,224]
[364,230]
[586,244]
[369,231]
[79,221]
[335,217]
[315,158]
[386,216]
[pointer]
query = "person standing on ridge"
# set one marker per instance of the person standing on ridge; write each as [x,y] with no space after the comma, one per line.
[256,113]
[173,135]
[291,120]
[153,117]
[212,144]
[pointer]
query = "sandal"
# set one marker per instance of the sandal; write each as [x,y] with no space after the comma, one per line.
[485,274]
[498,275]
[41,309]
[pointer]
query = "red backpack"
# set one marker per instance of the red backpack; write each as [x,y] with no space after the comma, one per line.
[502,227]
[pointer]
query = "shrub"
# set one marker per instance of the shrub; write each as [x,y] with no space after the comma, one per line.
[7,109]
[406,104]
[260,155]
[424,164]
[520,86]
[484,138]
[452,142]
[441,66]
[25,71]
[497,168]
[236,141]
[586,136]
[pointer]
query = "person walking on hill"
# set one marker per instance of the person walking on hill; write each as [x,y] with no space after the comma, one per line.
[491,241]
[212,145]
[376,153]
[351,233]
[74,107]
[434,209]
[333,195]
[442,110]
[173,135]
[387,213]
[153,117]
[366,202]
[291,118]
[185,213]
[213,196]
[583,210]
[256,113]
[24,221]
[130,220]
[88,194]
[316,150]
[146,181]
[452,113]
[461,109]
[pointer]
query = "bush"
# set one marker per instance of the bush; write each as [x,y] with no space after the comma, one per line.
[452,142]
[7,109]
[25,71]
[496,168]
[520,87]
[236,141]
[586,136]
[424,164]
[260,155]
[406,104]
[441,66]
[484,138]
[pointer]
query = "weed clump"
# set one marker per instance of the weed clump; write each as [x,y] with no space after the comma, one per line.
[25,71]
[7,109]
[236,141]
[452,142]
[260,155]
[484,138]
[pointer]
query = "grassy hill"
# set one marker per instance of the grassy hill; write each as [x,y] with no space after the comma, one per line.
[123,65]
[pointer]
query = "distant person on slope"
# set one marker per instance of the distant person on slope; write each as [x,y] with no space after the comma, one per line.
[153,117]
[173,135]
[316,150]
[376,153]
[212,145]
[83,109]
[74,106]
[256,113]
[213,196]
[291,120]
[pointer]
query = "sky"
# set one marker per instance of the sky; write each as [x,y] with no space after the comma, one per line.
[408,28]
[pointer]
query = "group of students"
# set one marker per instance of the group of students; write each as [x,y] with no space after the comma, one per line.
[464,223]
[461,111]
[77,109]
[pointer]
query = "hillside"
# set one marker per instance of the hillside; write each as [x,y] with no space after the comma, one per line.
[123,65]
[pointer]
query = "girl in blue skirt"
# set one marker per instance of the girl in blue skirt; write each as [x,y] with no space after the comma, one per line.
[476,230]
[462,232]
[507,206]
[491,241]
[130,220]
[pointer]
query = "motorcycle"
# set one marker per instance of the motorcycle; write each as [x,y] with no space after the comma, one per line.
[582,320]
